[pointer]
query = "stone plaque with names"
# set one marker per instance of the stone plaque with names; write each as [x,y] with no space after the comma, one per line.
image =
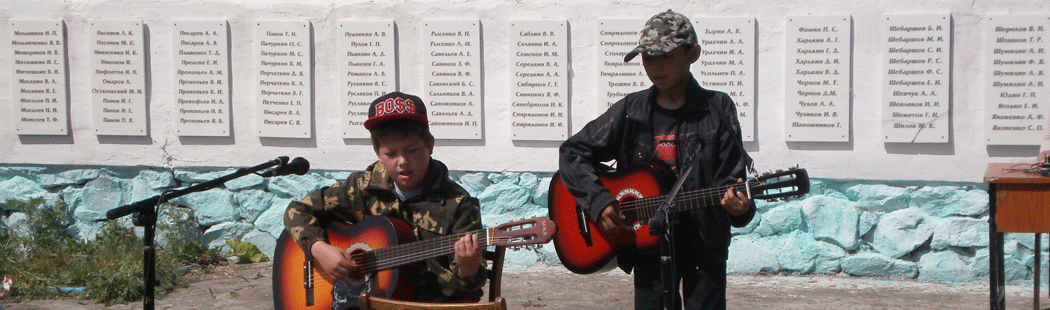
[283,72]
[1016,70]
[727,63]
[38,77]
[367,55]
[916,78]
[817,81]
[118,83]
[201,76]
[452,78]
[616,78]
[539,105]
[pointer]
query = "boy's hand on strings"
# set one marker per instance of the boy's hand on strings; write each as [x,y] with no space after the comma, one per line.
[611,220]
[334,262]
[468,255]
[736,202]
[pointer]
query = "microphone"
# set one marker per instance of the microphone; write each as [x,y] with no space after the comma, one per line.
[1044,167]
[298,166]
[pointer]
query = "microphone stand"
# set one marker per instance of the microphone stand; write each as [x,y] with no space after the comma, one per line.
[145,215]
[663,223]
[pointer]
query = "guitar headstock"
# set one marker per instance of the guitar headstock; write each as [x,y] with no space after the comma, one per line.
[524,232]
[782,184]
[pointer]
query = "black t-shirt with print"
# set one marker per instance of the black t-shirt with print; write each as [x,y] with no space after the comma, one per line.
[665,138]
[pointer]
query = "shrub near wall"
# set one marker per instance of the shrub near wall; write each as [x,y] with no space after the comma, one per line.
[864,228]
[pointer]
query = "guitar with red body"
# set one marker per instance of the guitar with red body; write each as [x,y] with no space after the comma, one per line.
[384,249]
[584,249]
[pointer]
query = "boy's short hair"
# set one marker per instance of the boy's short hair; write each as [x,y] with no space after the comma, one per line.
[398,114]
[663,33]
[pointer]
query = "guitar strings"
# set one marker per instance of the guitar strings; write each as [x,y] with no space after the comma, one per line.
[396,251]
[651,203]
[417,251]
[407,255]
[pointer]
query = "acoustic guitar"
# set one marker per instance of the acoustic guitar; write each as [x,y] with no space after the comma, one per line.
[584,249]
[385,249]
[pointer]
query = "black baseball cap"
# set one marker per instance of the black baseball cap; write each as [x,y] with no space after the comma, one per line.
[396,105]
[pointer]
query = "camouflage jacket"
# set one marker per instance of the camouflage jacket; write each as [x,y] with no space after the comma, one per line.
[443,208]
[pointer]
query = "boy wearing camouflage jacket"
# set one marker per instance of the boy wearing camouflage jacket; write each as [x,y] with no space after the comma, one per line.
[407,184]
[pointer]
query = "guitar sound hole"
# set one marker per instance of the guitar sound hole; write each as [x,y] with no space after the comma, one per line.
[359,254]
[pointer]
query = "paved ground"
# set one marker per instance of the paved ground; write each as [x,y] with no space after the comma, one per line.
[554,288]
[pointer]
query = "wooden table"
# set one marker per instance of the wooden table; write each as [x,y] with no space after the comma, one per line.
[1018,202]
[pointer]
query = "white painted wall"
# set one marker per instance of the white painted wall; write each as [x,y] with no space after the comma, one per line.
[964,158]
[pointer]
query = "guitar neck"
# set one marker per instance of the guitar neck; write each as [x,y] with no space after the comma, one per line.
[391,257]
[687,200]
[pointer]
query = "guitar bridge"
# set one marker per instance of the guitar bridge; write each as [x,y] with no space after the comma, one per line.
[308,281]
[747,186]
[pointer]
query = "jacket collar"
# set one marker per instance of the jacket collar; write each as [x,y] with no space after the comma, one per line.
[694,101]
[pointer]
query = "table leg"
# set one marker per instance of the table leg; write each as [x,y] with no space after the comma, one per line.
[1035,278]
[996,283]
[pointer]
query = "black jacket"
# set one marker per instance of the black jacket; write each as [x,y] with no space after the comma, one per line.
[709,139]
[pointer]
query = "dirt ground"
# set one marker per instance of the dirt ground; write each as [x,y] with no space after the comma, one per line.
[554,288]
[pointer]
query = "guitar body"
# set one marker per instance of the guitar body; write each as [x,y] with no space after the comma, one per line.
[584,249]
[593,250]
[292,274]
[386,256]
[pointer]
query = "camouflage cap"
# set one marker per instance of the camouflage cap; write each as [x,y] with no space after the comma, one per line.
[663,33]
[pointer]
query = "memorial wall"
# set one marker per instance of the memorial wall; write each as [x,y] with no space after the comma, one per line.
[866,90]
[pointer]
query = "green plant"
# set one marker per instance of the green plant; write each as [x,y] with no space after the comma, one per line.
[41,255]
[246,252]
[178,231]
[38,252]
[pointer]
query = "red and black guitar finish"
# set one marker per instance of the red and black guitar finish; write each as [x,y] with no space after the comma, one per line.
[384,249]
[584,249]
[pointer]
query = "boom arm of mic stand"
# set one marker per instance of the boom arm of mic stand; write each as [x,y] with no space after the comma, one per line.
[154,201]
[147,218]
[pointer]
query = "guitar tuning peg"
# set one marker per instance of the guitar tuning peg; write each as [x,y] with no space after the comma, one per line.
[780,170]
[515,248]
[771,200]
[799,196]
[539,246]
[796,166]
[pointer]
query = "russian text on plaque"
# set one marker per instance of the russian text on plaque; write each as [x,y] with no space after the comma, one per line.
[283,79]
[38,77]
[1016,69]
[616,78]
[118,81]
[727,63]
[452,78]
[367,57]
[201,77]
[916,78]
[817,85]
[539,85]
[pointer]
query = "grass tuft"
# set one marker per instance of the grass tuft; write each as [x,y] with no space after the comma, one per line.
[42,255]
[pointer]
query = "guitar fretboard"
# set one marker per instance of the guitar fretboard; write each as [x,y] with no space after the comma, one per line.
[686,200]
[391,257]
